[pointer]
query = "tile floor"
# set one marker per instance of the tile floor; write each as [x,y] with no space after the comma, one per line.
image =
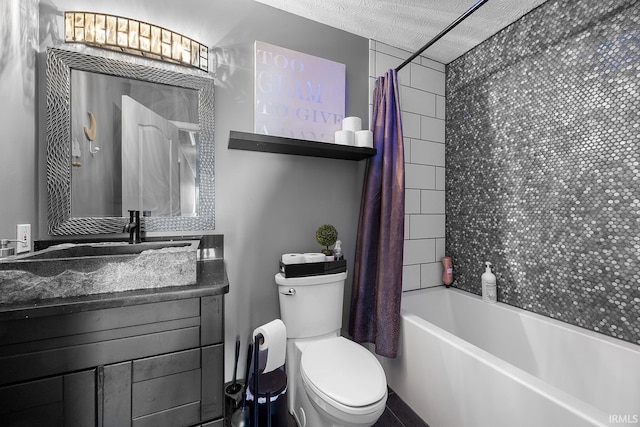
[397,414]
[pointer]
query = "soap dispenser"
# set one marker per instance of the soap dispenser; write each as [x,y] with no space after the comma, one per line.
[337,251]
[489,287]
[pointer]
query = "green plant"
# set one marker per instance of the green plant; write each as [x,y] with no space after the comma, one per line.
[326,235]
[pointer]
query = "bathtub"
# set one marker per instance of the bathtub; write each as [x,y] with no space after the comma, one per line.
[465,363]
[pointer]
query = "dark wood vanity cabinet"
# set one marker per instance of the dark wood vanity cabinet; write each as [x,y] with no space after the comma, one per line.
[152,364]
[63,400]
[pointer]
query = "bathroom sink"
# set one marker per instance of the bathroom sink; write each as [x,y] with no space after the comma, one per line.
[102,249]
[71,269]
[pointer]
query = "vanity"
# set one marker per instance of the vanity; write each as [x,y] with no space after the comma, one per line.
[146,357]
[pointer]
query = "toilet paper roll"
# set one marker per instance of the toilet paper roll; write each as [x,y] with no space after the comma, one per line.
[288,259]
[345,137]
[352,123]
[364,138]
[314,257]
[274,336]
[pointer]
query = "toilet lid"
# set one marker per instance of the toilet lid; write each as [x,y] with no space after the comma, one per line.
[343,371]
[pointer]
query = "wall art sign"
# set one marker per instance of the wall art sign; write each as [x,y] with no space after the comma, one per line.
[297,95]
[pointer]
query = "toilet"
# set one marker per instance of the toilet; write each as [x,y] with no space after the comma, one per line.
[332,381]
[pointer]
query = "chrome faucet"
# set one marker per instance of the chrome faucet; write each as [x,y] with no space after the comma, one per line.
[5,250]
[133,228]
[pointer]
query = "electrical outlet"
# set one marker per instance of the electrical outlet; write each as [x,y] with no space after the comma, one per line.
[23,235]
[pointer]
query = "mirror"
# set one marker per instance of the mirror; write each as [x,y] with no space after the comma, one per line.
[133,146]
[126,136]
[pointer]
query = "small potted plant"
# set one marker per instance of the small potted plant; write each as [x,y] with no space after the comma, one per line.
[327,235]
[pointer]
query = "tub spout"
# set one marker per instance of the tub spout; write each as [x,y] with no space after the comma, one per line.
[133,227]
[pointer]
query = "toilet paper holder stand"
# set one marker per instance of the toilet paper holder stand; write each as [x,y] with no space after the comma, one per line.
[259,339]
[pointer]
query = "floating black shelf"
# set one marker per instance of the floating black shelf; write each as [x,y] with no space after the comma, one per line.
[298,147]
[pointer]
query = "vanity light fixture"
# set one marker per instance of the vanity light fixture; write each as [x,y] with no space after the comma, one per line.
[134,37]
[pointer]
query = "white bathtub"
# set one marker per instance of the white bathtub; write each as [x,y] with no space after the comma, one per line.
[466,363]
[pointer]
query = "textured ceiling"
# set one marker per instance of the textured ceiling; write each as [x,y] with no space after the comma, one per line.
[410,24]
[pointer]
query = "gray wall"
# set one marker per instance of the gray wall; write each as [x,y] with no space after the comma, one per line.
[542,177]
[18,158]
[269,204]
[266,204]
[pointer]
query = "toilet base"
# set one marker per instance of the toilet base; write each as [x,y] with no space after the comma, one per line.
[303,409]
[306,414]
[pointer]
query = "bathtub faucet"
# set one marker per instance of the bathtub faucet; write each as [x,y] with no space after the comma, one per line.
[133,227]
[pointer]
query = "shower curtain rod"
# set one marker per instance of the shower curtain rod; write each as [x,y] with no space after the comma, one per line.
[461,18]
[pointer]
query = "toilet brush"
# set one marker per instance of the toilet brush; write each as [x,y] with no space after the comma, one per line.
[235,387]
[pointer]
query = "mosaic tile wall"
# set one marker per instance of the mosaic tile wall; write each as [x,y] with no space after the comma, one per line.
[542,164]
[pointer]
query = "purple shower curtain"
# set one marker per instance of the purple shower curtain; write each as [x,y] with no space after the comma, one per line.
[377,280]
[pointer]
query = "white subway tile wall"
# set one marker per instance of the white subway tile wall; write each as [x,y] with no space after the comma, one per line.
[427,152]
[419,176]
[422,102]
[427,79]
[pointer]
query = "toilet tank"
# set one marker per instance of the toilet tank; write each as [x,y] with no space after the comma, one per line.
[311,306]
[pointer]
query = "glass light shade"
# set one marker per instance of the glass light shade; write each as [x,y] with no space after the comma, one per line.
[79,34]
[123,39]
[79,21]
[101,22]
[186,51]
[195,57]
[155,41]
[176,47]
[69,27]
[166,36]
[204,57]
[145,44]
[89,27]
[123,25]
[134,37]
[145,30]
[111,30]
[166,50]
[101,29]
[123,32]
[145,37]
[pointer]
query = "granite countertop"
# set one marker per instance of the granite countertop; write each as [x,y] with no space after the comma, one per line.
[211,280]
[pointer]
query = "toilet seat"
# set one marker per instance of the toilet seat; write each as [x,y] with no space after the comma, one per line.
[342,375]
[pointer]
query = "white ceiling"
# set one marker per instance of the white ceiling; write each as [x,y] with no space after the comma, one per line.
[410,24]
